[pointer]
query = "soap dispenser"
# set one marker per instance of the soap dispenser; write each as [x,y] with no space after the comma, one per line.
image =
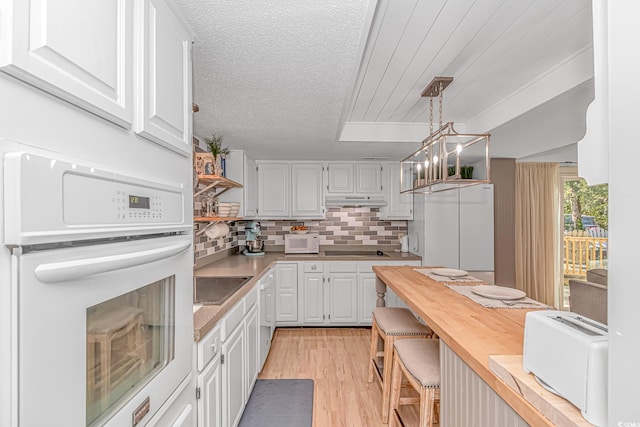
[404,243]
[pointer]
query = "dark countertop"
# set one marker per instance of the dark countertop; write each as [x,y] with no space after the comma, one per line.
[207,316]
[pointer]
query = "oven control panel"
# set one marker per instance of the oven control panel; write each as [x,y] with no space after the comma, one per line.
[56,200]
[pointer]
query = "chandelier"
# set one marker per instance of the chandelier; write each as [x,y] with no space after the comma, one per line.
[447,159]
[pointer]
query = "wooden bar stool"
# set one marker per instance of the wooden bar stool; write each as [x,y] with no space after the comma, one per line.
[389,325]
[417,360]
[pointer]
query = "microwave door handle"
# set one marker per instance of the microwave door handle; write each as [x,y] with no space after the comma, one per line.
[70,270]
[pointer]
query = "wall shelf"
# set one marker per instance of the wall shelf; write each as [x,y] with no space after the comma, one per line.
[216,219]
[215,181]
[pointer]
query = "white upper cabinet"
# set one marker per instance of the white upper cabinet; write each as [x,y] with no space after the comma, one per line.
[399,206]
[340,178]
[78,50]
[250,188]
[368,178]
[273,190]
[163,78]
[307,199]
[355,178]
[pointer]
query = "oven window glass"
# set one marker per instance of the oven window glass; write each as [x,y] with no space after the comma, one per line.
[130,338]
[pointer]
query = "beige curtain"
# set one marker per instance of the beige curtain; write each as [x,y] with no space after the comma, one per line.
[538,230]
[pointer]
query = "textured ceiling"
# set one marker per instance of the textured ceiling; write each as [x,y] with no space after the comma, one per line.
[273,76]
[322,80]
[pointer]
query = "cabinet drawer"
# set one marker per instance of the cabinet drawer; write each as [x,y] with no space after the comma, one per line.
[231,320]
[313,267]
[343,267]
[208,347]
[250,299]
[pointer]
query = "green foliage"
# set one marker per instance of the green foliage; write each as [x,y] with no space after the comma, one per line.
[215,146]
[592,200]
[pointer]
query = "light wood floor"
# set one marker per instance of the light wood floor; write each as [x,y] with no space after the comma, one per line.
[337,361]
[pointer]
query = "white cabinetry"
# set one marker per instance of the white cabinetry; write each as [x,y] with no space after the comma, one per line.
[163,78]
[342,297]
[210,388]
[273,190]
[286,293]
[234,376]
[358,178]
[306,190]
[399,206]
[313,290]
[368,178]
[459,228]
[367,297]
[227,360]
[251,328]
[77,50]
[340,178]
[242,169]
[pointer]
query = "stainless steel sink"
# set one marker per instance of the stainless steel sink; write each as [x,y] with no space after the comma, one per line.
[216,290]
[354,253]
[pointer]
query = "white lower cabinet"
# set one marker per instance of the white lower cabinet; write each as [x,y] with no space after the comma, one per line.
[251,326]
[210,397]
[342,298]
[367,297]
[312,287]
[227,361]
[286,293]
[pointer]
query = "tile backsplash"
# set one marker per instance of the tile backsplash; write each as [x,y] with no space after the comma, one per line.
[343,226]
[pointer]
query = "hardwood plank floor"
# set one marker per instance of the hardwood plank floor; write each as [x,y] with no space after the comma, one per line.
[337,360]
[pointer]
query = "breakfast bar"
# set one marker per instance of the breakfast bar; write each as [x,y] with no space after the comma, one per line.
[472,394]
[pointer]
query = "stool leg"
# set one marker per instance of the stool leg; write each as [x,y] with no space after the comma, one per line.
[427,400]
[396,386]
[386,377]
[374,349]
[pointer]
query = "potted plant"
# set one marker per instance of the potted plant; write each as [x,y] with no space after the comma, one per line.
[218,151]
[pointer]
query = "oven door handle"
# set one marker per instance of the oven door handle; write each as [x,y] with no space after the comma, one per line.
[70,270]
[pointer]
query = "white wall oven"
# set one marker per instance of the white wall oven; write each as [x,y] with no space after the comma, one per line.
[101,285]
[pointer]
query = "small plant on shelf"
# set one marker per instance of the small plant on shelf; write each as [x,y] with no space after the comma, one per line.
[215,146]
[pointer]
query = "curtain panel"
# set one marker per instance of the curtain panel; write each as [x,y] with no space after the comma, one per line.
[538,233]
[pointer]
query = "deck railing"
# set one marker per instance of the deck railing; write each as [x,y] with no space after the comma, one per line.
[582,253]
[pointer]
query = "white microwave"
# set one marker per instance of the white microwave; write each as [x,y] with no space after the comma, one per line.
[301,244]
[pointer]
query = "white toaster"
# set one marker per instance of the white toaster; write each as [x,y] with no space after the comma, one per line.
[567,353]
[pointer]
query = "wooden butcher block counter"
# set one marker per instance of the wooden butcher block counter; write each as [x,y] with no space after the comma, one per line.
[472,331]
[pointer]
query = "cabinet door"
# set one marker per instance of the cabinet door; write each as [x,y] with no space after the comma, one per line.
[476,228]
[250,188]
[313,297]
[399,206]
[340,178]
[234,377]
[442,232]
[286,293]
[210,402]
[343,298]
[307,196]
[77,50]
[253,348]
[368,178]
[163,112]
[367,297]
[273,190]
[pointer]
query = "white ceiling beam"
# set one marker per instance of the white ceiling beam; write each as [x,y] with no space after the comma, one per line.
[567,75]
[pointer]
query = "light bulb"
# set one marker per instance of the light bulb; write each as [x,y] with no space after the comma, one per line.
[459,148]
[426,163]
[419,166]
[435,159]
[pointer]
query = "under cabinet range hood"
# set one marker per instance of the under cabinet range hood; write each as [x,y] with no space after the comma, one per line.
[354,201]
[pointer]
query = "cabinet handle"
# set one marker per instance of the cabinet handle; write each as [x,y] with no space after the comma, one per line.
[314,267]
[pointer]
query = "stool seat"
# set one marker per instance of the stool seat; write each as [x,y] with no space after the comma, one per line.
[421,357]
[418,361]
[398,321]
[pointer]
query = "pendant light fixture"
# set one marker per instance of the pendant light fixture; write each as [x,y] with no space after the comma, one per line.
[447,159]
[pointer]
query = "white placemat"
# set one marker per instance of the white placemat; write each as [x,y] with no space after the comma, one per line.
[429,273]
[495,303]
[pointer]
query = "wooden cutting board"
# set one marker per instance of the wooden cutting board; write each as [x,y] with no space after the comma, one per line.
[558,410]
